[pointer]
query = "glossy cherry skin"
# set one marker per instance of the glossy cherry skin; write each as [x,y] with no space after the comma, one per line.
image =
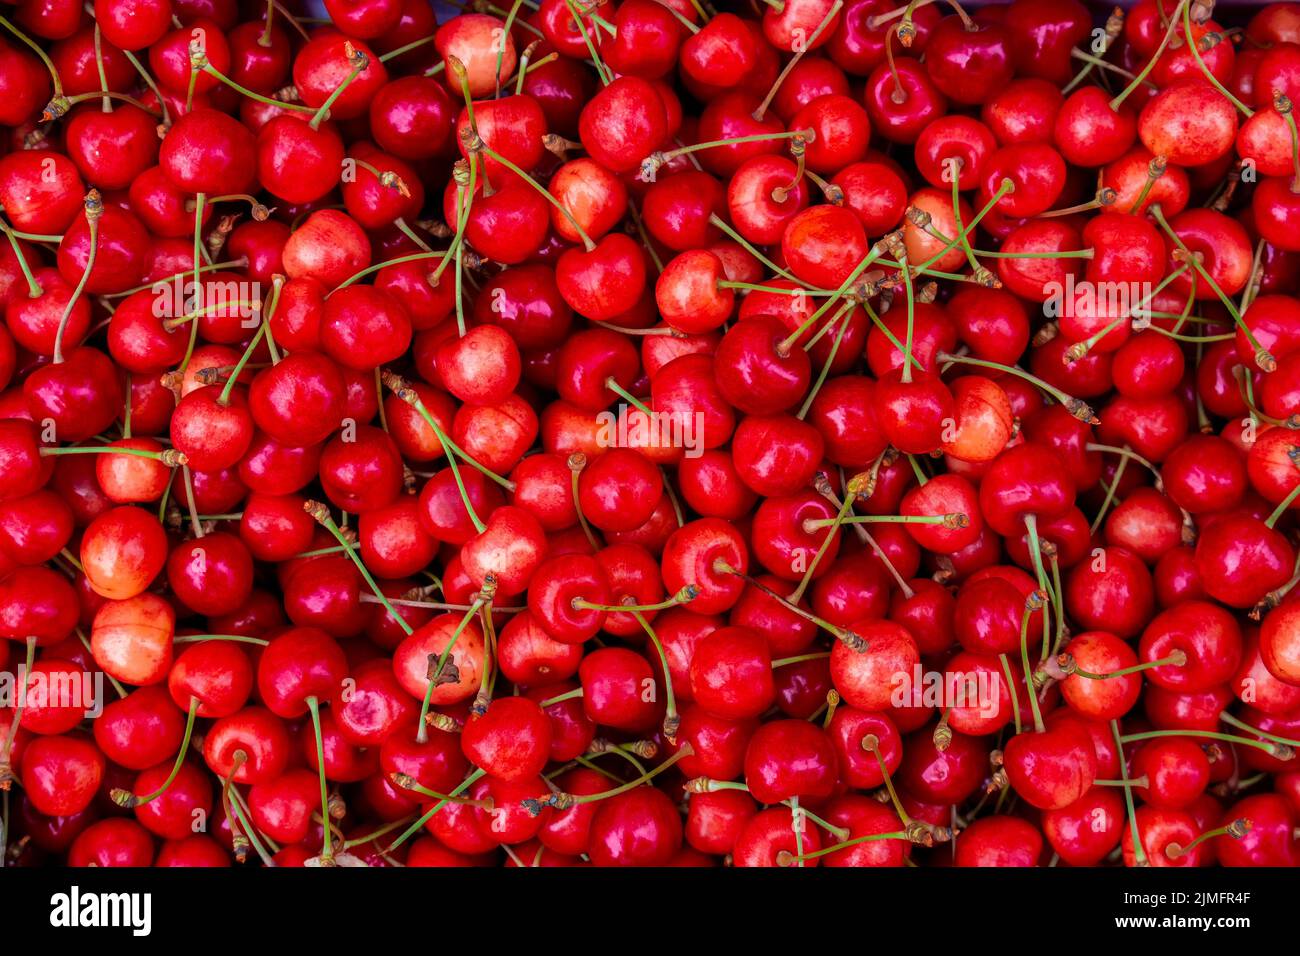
[1189,123]
[1209,637]
[637,828]
[1160,831]
[618,689]
[1084,832]
[731,673]
[1051,769]
[122,551]
[1279,642]
[768,839]
[912,413]
[1099,652]
[1241,559]
[960,60]
[61,774]
[1000,841]
[112,842]
[1113,592]
[789,758]
[207,151]
[511,739]
[1270,842]
[141,729]
[866,679]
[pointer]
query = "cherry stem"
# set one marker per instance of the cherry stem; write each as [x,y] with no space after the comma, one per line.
[501,44]
[871,743]
[954,520]
[853,641]
[846,844]
[1282,104]
[655,161]
[200,201]
[602,71]
[237,816]
[684,596]
[464,200]
[1074,406]
[1237,829]
[803,48]
[415,45]
[1177,659]
[40,52]
[6,771]
[34,290]
[1035,602]
[800,658]
[407,782]
[264,38]
[576,462]
[94,209]
[1272,748]
[859,484]
[1036,553]
[237,638]
[244,91]
[224,398]
[564,801]
[875,252]
[899,96]
[1205,70]
[170,456]
[716,221]
[160,284]
[823,487]
[449,447]
[1114,27]
[1232,721]
[369,270]
[360,62]
[1262,356]
[375,834]
[291,18]
[689,25]
[1282,506]
[627,396]
[1155,57]
[1140,782]
[327,851]
[560,698]
[1012,692]
[429,814]
[1139,852]
[322,515]
[435,675]
[1006,187]
[672,720]
[901,251]
[843,319]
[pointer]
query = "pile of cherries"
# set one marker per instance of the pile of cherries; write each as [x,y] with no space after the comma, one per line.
[649,432]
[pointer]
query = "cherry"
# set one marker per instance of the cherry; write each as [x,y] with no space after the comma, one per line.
[1207,637]
[112,842]
[789,759]
[1114,579]
[511,740]
[638,828]
[61,774]
[1000,841]
[964,56]
[1069,831]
